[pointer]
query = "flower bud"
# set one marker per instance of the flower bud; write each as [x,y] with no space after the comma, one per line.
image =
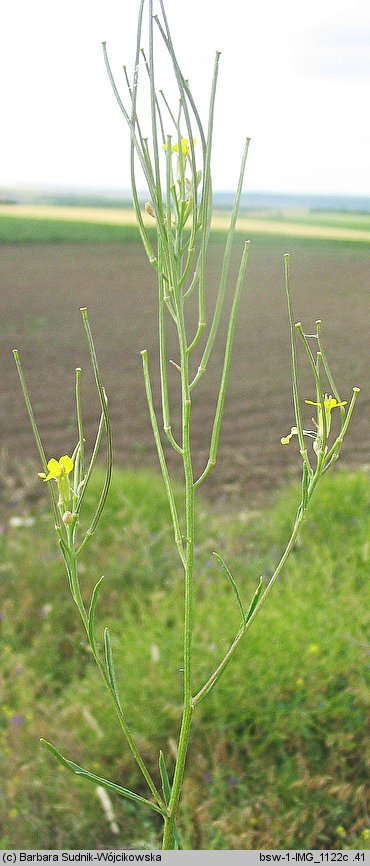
[188,187]
[67,518]
[149,209]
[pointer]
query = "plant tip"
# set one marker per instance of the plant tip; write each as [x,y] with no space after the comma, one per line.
[298,325]
[356,390]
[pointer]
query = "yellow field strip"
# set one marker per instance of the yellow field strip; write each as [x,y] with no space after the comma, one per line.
[102,215]
[126,217]
[286,228]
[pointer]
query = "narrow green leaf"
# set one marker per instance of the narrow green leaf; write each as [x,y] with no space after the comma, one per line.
[91,616]
[111,786]
[166,788]
[110,667]
[254,601]
[232,581]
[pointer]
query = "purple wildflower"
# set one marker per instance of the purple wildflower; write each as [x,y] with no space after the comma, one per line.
[232,781]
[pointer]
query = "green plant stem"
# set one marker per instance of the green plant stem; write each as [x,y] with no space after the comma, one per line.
[319,392]
[76,593]
[37,436]
[93,459]
[226,366]
[297,410]
[161,457]
[206,207]
[169,823]
[75,584]
[81,441]
[108,431]
[224,274]
[338,442]
[328,371]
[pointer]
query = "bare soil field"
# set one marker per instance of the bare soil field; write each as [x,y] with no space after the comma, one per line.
[42,287]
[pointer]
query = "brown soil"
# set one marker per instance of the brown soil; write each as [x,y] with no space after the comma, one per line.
[42,287]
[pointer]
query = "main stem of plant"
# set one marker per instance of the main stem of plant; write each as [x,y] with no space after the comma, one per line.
[168,835]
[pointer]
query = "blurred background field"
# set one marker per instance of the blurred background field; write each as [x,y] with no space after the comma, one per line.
[103,267]
[54,221]
[279,749]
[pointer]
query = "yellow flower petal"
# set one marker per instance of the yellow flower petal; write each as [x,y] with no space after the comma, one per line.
[331,403]
[184,146]
[53,467]
[57,468]
[67,464]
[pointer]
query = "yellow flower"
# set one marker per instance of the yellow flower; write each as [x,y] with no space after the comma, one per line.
[317,435]
[313,648]
[184,146]
[57,468]
[59,471]
[329,403]
[340,831]
[299,682]
[366,834]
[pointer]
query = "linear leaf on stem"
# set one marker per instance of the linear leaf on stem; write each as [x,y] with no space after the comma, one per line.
[98,780]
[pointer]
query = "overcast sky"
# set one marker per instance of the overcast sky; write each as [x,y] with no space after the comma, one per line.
[294,76]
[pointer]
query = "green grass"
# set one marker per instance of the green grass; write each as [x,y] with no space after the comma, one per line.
[334,219]
[278,753]
[23,229]
[15,229]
